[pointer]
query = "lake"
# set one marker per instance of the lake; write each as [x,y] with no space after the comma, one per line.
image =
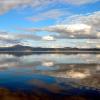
[50,76]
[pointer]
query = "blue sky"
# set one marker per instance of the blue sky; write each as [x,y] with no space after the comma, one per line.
[46,22]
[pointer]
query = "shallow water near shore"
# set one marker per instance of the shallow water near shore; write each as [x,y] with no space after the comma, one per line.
[50,76]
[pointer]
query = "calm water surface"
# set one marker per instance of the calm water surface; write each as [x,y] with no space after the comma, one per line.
[53,76]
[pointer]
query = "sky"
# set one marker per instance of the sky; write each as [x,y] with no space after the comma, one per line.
[50,23]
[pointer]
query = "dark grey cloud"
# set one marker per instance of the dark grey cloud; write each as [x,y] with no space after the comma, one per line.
[78,26]
[28,36]
[9,39]
[6,5]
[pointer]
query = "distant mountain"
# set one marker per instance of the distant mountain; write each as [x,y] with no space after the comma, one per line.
[18,48]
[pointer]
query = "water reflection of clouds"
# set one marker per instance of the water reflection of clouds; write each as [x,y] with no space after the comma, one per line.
[48,63]
[47,60]
[98,68]
[77,67]
[76,74]
[53,87]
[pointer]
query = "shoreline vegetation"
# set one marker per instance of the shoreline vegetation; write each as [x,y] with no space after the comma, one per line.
[28,49]
[23,53]
[19,50]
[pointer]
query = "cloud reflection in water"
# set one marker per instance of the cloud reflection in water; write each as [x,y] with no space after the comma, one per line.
[76,67]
